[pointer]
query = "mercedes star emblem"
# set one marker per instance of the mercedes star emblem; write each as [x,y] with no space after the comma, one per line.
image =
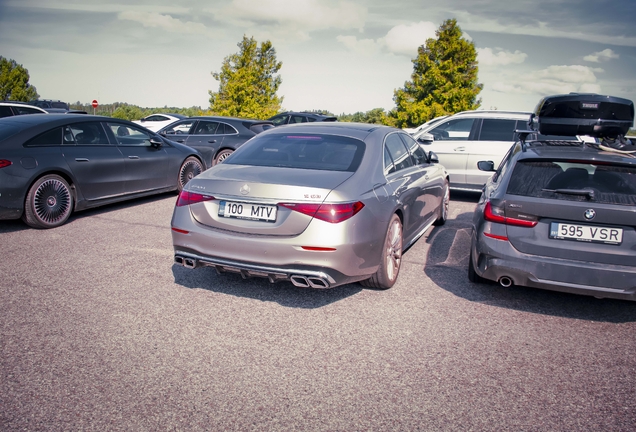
[245,189]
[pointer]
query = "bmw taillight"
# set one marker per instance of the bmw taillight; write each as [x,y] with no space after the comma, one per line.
[496,214]
[188,198]
[333,213]
[5,163]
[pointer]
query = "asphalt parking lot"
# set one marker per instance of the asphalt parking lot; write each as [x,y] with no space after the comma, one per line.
[100,331]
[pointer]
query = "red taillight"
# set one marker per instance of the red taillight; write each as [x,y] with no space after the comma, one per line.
[495,214]
[180,231]
[332,213]
[495,236]
[5,163]
[318,249]
[188,198]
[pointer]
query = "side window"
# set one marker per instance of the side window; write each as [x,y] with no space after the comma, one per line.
[89,133]
[389,166]
[226,129]
[280,120]
[497,130]
[206,128]
[157,118]
[505,163]
[26,110]
[50,138]
[311,119]
[298,119]
[183,127]
[127,135]
[415,149]
[400,155]
[456,129]
[5,111]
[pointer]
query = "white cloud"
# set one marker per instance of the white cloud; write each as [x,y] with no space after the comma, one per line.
[552,80]
[360,46]
[471,21]
[295,19]
[497,57]
[605,55]
[406,38]
[164,22]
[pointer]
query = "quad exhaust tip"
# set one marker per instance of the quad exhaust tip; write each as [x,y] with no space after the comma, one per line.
[300,281]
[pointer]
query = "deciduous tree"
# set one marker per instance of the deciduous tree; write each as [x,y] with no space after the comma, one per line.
[14,82]
[444,79]
[248,82]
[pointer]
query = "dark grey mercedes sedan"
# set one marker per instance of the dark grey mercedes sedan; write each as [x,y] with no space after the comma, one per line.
[54,164]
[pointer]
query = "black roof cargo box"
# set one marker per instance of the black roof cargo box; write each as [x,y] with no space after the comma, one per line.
[583,114]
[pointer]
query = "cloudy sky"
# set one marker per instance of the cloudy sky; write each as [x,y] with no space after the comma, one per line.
[338,55]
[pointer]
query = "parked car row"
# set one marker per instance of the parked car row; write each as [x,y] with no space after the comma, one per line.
[321,203]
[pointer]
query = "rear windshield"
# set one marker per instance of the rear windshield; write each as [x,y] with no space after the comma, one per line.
[306,151]
[570,180]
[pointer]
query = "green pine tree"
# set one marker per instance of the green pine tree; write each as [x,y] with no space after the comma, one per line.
[14,82]
[444,79]
[248,82]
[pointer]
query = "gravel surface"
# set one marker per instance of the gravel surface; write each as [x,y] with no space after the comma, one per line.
[99,330]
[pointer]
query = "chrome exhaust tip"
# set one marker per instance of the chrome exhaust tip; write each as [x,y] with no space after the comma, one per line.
[300,281]
[505,281]
[186,262]
[317,282]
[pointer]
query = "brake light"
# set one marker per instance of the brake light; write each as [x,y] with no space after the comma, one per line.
[188,198]
[5,163]
[495,214]
[332,213]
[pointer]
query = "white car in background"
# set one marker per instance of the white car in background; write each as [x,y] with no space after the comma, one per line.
[154,122]
[466,138]
[423,126]
[11,108]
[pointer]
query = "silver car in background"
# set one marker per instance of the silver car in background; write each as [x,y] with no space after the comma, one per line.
[320,205]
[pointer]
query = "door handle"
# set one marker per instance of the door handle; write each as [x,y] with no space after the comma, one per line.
[133,157]
[459,149]
[81,159]
[212,141]
[180,141]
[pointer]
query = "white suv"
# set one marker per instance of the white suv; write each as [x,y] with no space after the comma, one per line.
[465,138]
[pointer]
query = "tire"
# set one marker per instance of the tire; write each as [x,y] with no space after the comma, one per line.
[472,274]
[391,261]
[190,168]
[49,202]
[223,154]
[443,208]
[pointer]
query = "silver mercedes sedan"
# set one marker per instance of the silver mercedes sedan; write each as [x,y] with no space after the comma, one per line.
[320,205]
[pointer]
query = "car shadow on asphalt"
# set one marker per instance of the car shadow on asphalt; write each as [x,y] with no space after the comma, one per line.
[447,266]
[283,293]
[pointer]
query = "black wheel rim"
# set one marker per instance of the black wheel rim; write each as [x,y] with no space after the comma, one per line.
[189,170]
[52,201]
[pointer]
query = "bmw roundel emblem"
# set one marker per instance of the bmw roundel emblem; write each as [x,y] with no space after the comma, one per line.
[245,189]
[589,214]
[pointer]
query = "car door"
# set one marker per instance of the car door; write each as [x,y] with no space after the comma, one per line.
[146,165]
[430,181]
[204,136]
[96,163]
[406,180]
[451,140]
[494,138]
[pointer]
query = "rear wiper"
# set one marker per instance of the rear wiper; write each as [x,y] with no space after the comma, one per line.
[589,193]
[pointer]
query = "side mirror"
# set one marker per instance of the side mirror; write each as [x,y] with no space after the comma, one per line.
[426,138]
[156,142]
[488,166]
[433,158]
